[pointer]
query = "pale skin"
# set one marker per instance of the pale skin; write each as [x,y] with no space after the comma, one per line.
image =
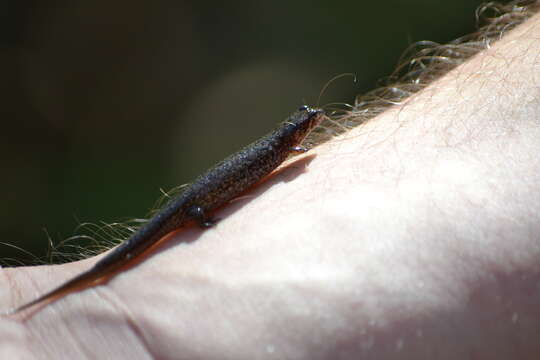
[414,236]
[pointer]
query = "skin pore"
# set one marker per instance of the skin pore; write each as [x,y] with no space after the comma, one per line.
[413,236]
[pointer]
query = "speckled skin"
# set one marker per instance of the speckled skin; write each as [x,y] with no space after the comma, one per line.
[216,187]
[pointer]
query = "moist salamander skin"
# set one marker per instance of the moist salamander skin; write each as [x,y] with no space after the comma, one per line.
[216,187]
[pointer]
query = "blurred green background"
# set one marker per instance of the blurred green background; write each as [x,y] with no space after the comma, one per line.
[104,103]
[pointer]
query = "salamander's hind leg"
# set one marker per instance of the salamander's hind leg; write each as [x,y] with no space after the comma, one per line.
[197,214]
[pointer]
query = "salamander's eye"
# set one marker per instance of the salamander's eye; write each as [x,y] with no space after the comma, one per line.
[303,108]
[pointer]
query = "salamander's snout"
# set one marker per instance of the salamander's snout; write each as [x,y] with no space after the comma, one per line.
[306,119]
[310,110]
[315,116]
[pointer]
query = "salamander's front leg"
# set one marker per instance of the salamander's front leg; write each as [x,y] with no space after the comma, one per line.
[298,149]
[197,214]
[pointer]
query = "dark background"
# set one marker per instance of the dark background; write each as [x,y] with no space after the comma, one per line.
[104,103]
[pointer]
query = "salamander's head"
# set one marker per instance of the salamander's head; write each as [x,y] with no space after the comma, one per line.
[304,120]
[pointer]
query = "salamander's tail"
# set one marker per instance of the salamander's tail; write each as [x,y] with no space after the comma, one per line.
[82,280]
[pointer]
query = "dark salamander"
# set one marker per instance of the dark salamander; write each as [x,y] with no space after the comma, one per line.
[216,187]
